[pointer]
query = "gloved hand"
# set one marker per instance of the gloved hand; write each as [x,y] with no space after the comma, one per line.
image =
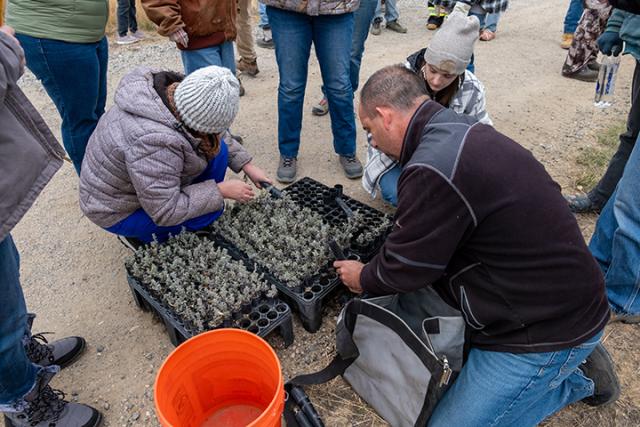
[610,43]
[180,37]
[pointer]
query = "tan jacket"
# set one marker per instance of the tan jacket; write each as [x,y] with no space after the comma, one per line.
[199,18]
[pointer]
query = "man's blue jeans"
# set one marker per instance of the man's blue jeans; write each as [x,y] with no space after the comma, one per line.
[221,55]
[389,185]
[572,17]
[616,241]
[508,389]
[331,35]
[140,225]
[391,10]
[17,373]
[362,18]
[75,77]
[264,19]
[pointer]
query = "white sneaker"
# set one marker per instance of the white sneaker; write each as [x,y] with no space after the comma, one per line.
[138,35]
[126,39]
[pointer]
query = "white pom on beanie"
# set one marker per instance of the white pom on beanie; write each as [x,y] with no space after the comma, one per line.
[208,99]
[452,45]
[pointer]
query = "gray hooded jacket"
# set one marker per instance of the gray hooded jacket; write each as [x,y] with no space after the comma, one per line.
[140,156]
[29,153]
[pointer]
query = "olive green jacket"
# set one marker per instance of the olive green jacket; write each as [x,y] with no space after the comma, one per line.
[75,21]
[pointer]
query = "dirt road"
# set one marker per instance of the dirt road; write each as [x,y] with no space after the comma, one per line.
[73,273]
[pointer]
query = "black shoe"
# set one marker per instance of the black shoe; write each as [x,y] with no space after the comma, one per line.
[582,204]
[594,65]
[62,352]
[376,27]
[585,74]
[600,369]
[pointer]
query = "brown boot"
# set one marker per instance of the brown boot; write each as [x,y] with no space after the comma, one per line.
[248,67]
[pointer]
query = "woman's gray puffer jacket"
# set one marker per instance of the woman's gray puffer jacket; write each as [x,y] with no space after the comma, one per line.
[141,157]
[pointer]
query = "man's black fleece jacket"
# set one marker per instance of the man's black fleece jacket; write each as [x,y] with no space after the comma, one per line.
[481,221]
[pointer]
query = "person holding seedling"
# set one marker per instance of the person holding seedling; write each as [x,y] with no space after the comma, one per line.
[442,67]
[157,161]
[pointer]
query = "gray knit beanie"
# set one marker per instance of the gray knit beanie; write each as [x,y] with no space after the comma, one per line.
[452,45]
[208,99]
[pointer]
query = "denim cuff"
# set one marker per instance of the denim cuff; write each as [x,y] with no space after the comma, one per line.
[43,376]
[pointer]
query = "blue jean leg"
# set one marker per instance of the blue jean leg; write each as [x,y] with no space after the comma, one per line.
[362,18]
[140,225]
[390,10]
[508,389]
[264,19]
[491,22]
[79,96]
[573,15]
[332,37]
[221,55]
[17,373]
[389,185]
[616,240]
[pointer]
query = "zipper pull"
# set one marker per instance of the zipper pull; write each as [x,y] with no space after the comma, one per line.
[446,372]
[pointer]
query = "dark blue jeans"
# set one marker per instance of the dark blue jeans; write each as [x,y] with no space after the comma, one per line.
[75,77]
[17,373]
[293,34]
[573,16]
[127,17]
[140,225]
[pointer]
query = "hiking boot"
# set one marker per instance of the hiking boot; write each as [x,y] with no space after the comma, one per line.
[126,39]
[287,169]
[266,40]
[600,369]
[567,39]
[594,65]
[321,108]
[395,26]
[248,67]
[241,88]
[352,166]
[62,352]
[138,34]
[46,407]
[376,26]
[582,204]
[434,22]
[629,319]
[585,74]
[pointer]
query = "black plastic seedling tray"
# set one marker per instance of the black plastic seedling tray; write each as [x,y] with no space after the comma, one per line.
[316,196]
[307,298]
[261,317]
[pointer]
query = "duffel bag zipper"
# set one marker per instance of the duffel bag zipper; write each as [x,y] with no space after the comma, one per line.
[446,372]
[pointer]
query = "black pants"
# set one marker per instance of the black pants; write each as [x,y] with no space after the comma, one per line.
[601,192]
[127,17]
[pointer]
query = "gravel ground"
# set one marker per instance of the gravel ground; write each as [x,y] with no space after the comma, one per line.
[73,272]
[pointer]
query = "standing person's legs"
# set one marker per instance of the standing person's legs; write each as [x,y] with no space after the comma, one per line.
[616,240]
[584,48]
[391,13]
[264,19]
[332,38]
[244,40]
[602,191]
[379,14]
[362,18]
[78,94]
[133,22]
[124,14]
[221,55]
[292,34]
[574,12]
[491,22]
[17,373]
[506,389]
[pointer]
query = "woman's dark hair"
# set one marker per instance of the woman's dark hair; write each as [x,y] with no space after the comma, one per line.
[445,96]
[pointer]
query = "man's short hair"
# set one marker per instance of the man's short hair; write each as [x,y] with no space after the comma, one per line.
[394,86]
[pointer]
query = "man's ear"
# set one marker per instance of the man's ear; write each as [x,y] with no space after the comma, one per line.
[387,115]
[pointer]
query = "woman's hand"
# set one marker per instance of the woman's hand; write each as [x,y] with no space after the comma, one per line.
[236,190]
[255,174]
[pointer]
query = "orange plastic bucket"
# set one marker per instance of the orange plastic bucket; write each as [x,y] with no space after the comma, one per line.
[222,378]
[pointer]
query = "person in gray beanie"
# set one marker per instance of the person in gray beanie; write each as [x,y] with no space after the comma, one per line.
[442,67]
[157,160]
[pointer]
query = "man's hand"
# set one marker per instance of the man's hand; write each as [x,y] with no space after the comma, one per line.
[180,37]
[610,43]
[236,190]
[255,174]
[349,272]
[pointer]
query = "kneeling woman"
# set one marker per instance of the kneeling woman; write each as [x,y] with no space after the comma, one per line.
[157,160]
[442,65]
